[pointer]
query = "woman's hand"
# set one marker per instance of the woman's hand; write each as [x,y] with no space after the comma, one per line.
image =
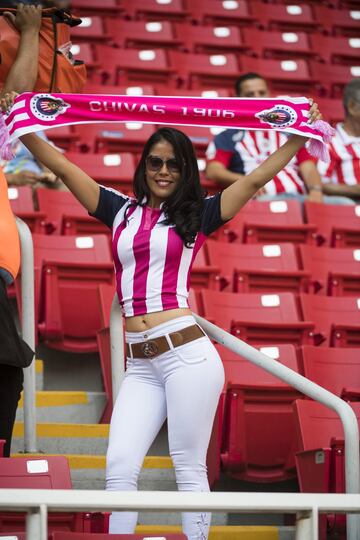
[314,113]
[28,17]
[7,101]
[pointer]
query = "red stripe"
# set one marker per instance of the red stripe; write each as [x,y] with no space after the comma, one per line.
[355,162]
[294,180]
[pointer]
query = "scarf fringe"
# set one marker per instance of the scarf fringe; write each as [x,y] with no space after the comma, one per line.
[6,152]
[317,148]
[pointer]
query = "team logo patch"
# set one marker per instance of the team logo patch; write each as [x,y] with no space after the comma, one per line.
[46,107]
[278,116]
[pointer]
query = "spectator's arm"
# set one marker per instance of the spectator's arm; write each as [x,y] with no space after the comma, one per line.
[343,190]
[312,180]
[23,73]
[215,170]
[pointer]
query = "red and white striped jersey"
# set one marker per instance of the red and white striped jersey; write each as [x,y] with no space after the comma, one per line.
[152,264]
[242,151]
[344,165]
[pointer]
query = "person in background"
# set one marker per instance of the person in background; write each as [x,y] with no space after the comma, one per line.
[233,154]
[341,177]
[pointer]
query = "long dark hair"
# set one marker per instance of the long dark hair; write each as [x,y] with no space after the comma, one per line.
[183,207]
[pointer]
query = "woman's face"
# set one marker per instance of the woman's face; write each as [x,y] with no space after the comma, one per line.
[162,172]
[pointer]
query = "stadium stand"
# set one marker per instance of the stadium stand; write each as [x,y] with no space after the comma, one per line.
[22,204]
[110,139]
[337,226]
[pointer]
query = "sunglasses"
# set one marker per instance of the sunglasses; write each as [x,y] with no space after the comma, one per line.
[155,164]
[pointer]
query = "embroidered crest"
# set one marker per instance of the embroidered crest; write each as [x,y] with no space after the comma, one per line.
[46,107]
[278,116]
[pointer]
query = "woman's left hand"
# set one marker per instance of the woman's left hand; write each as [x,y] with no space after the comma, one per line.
[314,113]
[7,101]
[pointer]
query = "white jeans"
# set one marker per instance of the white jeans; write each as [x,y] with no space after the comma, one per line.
[184,385]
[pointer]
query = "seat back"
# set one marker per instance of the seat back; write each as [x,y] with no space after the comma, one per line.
[333,221]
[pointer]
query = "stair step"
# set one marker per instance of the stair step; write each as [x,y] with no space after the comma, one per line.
[81,461]
[66,406]
[219,532]
[39,374]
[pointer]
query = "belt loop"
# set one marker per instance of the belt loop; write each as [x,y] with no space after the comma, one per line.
[204,333]
[168,339]
[130,350]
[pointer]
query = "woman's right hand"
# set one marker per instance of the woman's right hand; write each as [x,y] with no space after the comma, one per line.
[28,17]
[7,101]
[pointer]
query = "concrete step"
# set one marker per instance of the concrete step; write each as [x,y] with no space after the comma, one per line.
[66,407]
[219,532]
[39,374]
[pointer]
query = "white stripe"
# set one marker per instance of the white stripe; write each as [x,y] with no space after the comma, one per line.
[18,105]
[158,247]
[346,162]
[18,118]
[181,289]
[287,182]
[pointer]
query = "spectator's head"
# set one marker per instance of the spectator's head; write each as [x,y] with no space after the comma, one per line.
[251,85]
[351,99]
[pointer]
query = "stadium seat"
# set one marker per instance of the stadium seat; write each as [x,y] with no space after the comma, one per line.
[209,39]
[337,320]
[200,71]
[332,109]
[21,202]
[186,92]
[200,137]
[111,170]
[337,225]
[141,34]
[154,10]
[2,443]
[289,75]
[335,272]
[139,90]
[341,50]
[203,275]
[285,45]
[258,318]
[335,369]
[337,21]
[84,52]
[114,138]
[90,30]
[102,536]
[257,268]
[97,7]
[129,66]
[258,431]
[71,269]
[45,472]
[298,16]
[330,79]
[267,223]
[220,13]
[63,137]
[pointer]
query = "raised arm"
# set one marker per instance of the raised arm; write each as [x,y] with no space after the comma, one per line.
[234,197]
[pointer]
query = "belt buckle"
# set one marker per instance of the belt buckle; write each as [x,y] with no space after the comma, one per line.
[149,349]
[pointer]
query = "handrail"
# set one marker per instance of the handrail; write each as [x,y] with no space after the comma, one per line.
[28,332]
[311,389]
[307,505]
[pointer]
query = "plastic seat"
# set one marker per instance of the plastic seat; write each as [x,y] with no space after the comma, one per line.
[84,52]
[141,34]
[138,90]
[342,50]
[129,66]
[298,16]
[203,275]
[200,137]
[257,268]
[269,222]
[63,137]
[153,10]
[338,21]
[335,272]
[110,170]
[258,318]
[332,109]
[259,435]
[337,225]
[83,7]
[330,79]
[277,44]
[210,39]
[45,472]
[186,92]
[337,320]
[337,370]
[21,202]
[198,71]
[114,138]
[90,30]
[220,12]
[288,75]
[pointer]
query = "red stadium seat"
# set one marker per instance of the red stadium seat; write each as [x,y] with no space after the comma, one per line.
[283,75]
[21,202]
[200,137]
[334,272]
[337,370]
[203,275]
[330,79]
[45,472]
[199,71]
[209,39]
[186,92]
[84,52]
[114,138]
[110,170]
[220,13]
[338,226]
[100,7]
[153,10]
[298,16]
[141,34]
[129,66]
[258,318]
[332,109]
[63,137]
[269,222]
[257,268]
[90,30]
[337,320]
[344,50]
[139,90]
[285,45]
[259,437]
[102,536]
[338,21]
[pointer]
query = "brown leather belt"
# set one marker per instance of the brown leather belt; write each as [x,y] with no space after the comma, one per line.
[155,347]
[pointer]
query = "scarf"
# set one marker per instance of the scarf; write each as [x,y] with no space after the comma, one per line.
[33,112]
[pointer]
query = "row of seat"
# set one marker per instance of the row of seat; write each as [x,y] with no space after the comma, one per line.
[309,16]
[259,222]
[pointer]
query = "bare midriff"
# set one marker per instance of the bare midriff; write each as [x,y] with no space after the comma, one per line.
[140,323]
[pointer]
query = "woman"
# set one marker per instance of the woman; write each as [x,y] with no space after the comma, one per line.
[173,370]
